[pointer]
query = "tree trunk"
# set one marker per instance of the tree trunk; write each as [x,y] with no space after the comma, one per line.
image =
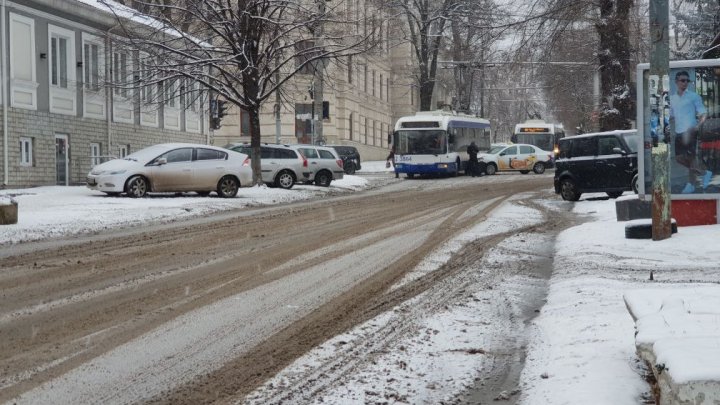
[614,57]
[254,114]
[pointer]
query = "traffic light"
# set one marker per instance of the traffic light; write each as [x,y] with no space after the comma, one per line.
[222,108]
[218,109]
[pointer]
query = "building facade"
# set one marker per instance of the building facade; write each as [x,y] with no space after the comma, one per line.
[60,116]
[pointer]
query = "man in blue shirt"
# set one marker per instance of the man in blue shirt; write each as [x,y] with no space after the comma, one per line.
[687,108]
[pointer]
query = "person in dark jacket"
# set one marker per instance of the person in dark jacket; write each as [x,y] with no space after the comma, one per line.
[475,167]
[472,166]
[390,160]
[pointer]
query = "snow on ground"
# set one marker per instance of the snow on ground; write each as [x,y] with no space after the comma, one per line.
[57,211]
[581,347]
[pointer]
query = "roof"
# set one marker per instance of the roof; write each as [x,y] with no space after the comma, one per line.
[617,131]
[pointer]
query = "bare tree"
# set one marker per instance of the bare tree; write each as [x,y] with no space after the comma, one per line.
[612,21]
[697,24]
[472,36]
[425,23]
[240,50]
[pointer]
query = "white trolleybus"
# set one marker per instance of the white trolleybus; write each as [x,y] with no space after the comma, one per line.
[435,143]
[539,133]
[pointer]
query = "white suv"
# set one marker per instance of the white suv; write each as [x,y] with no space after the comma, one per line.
[324,162]
[281,165]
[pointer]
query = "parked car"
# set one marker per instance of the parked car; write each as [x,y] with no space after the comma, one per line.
[350,157]
[281,165]
[174,167]
[603,162]
[324,162]
[517,157]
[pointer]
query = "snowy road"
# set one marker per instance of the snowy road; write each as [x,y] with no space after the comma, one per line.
[211,310]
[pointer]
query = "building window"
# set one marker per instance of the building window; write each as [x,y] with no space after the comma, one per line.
[412,95]
[350,127]
[373,83]
[380,34]
[171,92]
[365,79]
[59,61]
[147,92]
[95,154]
[303,123]
[192,96]
[305,51]
[23,85]
[26,152]
[387,89]
[244,122]
[123,151]
[367,132]
[350,69]
[381,86]
[62,70]
[91,66]
[120,74]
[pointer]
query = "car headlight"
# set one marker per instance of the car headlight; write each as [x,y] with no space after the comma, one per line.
[117,171]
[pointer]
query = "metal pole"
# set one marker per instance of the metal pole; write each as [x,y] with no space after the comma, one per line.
[318,78]
[5,82]
[659,67]
[482,83]
[277,107]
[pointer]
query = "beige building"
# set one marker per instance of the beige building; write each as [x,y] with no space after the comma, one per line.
[366,94]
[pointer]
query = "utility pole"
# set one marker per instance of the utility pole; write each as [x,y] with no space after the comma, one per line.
[277,103]
[318,78]
[659,67]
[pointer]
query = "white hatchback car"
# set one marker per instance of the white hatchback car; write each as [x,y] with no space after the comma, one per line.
[324,162]
[517,157]
[174,167]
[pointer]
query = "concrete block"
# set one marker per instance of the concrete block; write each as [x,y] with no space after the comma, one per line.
[627,209]
[8,213]
[686,370]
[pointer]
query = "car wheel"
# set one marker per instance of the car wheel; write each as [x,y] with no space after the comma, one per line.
[634,184]
[203,193]
[227,187]
[350,167]
[136,187]
[491,169]
[568,190]
[285,179]
[539,168]
[614,194]
[323,178]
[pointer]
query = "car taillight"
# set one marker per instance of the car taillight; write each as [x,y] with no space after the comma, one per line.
[305,164]
[246,162]
[340,163]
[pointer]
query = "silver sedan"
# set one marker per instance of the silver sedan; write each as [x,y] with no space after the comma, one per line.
[174,167]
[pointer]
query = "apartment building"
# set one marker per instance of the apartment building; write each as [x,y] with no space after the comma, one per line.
[59,118]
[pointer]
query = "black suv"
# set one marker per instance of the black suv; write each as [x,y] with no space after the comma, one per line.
[350,157]
[602,162]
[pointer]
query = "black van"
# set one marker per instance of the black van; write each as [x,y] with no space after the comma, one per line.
[604,162]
